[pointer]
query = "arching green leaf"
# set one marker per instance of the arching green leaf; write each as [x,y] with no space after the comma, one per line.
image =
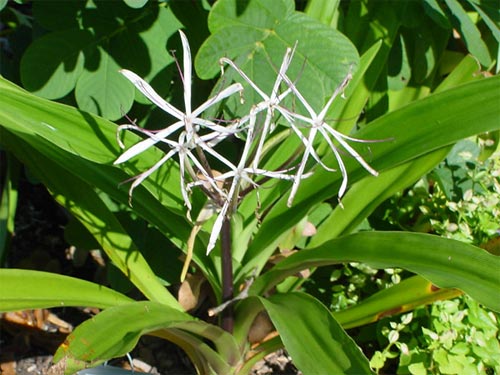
[446,263]
[27,289]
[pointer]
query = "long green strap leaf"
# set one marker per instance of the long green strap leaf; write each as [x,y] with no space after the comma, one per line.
[84,145]
[83,134]
[83,202]
[446,263]
[27,289]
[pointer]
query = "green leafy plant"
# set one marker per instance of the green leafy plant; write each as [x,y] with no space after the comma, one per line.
[453,336]
[229,188]
[462,337]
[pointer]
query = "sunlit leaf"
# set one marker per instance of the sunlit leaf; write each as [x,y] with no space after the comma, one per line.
[104,91]
[116,330]
[446,263]
[27,289]
[405,296]
[469,32]
[314,339]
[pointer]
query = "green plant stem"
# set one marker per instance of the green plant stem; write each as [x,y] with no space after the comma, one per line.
[227,315]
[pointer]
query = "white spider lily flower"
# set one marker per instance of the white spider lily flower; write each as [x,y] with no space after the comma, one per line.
[316,123]
[269,103]
[224,188]
[185,120]
[189,121]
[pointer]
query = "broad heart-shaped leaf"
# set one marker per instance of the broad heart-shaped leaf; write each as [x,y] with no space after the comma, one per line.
[140,47]
[27,289]
[256,34]
[53,63]
[52,16]
[421,127]
[155,39]
[88,51]
[104,91]
[116,330]
[135,3]
[314,339]
[446,263]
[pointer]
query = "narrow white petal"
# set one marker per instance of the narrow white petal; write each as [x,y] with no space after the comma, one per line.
[234,88]
[310,146]
[353,152]
[297,93]
[217,228]
[151,94]
[285,64]
[245,77]
[289,116]
[185,196]
[337,91]
[121,128]
[205,174]
[343,170]
[147,143]
[215,154]
[272,174]
[227,131]
[298,176]
[262,139]
[140,178]
[187,74]
[249,140]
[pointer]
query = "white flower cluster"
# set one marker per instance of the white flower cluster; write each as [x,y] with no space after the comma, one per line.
[192,148]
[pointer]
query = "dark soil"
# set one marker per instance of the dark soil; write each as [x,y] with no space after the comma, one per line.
[29,339]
